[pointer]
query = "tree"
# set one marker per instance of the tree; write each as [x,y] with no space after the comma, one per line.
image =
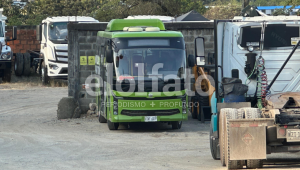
[220,10]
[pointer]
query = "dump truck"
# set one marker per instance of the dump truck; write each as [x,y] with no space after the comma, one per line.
[51,61]
[6,54]
[256,107]
[134,87]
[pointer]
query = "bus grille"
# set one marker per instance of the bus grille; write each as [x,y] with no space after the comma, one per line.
[150,112]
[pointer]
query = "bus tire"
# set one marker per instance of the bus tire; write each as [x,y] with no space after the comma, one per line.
[176,125]
[112,126]
[18,67]
[27,64]
[102,119]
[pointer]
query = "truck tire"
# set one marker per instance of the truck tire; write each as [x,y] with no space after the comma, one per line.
[176,125]
[222,135]
[213,145]
[44,74]
[102,118]
[254,164]
[18,67]
[231,164]
[253,113]
[27,64]
[112,126]
[7,73]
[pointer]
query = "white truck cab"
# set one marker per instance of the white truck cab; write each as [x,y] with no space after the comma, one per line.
[52,34]
[6,53]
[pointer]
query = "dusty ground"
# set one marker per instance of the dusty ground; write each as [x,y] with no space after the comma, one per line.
[32,138]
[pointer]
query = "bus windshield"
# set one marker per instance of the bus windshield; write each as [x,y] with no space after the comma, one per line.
[58,31]
[145,62]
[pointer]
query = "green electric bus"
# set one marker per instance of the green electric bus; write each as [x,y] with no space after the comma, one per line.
[141,68]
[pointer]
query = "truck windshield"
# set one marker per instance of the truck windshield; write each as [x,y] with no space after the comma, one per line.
[143,62]
[276,35]
[1,30]
[58,31]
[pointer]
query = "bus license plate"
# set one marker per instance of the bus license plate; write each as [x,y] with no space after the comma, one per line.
[150,118]
[293,135]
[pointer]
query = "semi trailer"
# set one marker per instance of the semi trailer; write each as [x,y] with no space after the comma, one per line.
[51,61]
[260,56]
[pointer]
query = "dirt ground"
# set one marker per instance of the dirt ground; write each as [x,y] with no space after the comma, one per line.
[32,138]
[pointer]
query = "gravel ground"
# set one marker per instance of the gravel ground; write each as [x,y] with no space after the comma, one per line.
[31,137]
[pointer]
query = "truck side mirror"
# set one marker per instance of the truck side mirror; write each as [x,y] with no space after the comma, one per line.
[191,60]
[39,32]
[109,52]
[199,50]
[15,33]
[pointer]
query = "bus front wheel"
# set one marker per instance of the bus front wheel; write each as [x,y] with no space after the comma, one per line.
[176,125]
[112,126]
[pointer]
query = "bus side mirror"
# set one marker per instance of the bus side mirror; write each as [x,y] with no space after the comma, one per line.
[191,60]
[15,33]
[109,52]
[199,50]
[39,32]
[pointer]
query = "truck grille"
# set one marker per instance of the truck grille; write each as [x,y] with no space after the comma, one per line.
[61,54]
[150,112]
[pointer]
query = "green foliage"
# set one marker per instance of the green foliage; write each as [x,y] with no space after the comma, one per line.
[283,11]
[223,10]
[267,2]
[122,9]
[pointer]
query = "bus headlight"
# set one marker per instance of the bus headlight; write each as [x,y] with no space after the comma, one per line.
[115,108]
[183,106]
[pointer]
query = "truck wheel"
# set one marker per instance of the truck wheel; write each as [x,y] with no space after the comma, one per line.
[19,64]
[253,164]
[176,125]
[27,64]
[112,126]
[102,118]
[213,145]
[231,164]
[222,135]
[7,73]
[44,74]
[252,113]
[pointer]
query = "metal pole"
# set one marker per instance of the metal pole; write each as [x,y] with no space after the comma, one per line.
[282,67]
[216,76]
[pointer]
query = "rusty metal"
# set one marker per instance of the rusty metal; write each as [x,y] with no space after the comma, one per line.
[280,100]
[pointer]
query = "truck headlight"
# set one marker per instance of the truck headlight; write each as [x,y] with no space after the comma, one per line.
[183,106]
[115,108]
[5,56]
[53,67]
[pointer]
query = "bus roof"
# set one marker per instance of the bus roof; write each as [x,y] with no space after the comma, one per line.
[139,34]
[119,24]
